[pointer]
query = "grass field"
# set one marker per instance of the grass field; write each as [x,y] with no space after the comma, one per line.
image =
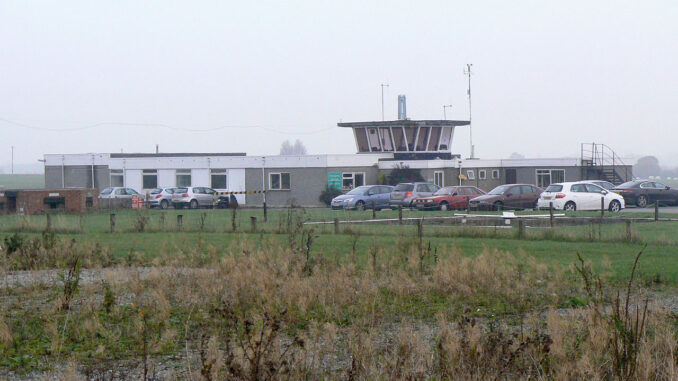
[22,181]
[389,301]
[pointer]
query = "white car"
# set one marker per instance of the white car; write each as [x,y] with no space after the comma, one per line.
[193,197]
[580,195]
[118,192]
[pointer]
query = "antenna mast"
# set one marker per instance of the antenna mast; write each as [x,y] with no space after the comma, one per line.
[382,100]
[468,72]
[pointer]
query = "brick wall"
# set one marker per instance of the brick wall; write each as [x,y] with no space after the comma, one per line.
[75,200]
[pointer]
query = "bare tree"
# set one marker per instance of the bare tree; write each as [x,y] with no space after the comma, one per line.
[288,148]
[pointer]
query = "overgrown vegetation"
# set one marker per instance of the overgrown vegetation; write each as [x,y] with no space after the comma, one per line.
[276,306]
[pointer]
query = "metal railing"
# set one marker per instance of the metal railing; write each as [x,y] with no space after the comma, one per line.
[602,157]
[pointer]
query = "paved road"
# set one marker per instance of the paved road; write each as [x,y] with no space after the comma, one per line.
[662,209]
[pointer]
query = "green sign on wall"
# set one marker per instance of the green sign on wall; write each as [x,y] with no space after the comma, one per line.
[334,180]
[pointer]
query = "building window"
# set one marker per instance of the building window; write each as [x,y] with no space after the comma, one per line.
[150,178]
[219,179]
[482,174]
[279,181]
[183,178]
[470,174]
[495,173]
[117,178]
[546,177]
[439,178]
[350,180]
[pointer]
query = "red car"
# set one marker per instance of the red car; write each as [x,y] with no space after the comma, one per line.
[449,198]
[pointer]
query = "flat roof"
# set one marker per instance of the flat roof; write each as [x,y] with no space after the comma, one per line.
[176,154]
[407,123]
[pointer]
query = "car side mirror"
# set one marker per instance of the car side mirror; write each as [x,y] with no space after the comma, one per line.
[604,192]
[667,187]
[455,194]
[508,195]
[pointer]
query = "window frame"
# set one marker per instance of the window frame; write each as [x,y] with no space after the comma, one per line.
[280,181]
[470,174]
[543,172]
[182,173]
[495,174]
[352,177]
[150,173]
[436,174]
[219,172]
[482,174]
[117,173]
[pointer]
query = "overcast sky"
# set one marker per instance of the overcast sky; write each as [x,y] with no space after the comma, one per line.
[547,75]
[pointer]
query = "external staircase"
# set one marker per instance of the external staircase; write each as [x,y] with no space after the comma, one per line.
[600,162]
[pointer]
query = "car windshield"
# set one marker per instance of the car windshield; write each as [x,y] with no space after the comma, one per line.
[500,189]
[444,191]
[107,191]
[604,184]
[359,190]
[403,188]
[554,188]
[629,184]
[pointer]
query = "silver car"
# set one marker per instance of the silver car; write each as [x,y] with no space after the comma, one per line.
[118,192]
[193,197]
[404,194]
[160,197]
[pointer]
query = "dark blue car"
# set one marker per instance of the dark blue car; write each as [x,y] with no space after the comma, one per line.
[364,197]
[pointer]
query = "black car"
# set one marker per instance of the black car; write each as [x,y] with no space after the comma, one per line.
[645,192]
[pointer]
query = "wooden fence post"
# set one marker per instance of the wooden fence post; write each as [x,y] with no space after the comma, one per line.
[112,222]
[265,213]
[656,210]
[420,229]
[400,214]
[49,221]
[521,229]
[233,216]
[253,221]
[374,210]
[551,213]
[180,221]
[602,207]
[629,231]
[336,226]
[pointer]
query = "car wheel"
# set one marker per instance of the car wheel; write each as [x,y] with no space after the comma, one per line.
[164,204]
[194,204]
[641,202]
[570,206]
[444,206]
[360,205]
[615,206]
[498,205]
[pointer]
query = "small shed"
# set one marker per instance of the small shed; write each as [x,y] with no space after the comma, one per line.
[38,201]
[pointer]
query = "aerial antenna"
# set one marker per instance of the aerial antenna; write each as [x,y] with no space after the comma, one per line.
[382,100]
[445,107]
[468,73]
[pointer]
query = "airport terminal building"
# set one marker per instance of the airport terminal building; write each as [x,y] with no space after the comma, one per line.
[299,180]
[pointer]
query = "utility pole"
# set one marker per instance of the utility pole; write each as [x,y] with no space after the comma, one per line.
[12,159]
[382,100]
[468,72]
[445,111]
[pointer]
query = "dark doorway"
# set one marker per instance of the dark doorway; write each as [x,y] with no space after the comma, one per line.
[11,204]
[510,175]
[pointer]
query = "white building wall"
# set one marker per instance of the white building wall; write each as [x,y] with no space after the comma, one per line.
[167,178]
[200,177]
[133,179]
[236,183]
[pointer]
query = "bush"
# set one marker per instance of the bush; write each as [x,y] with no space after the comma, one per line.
[328,194]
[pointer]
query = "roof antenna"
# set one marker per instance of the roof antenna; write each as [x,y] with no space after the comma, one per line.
[382,99]
[468,72]
[157,148]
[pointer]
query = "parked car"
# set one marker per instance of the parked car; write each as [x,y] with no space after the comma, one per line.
[456,197]
[118,192]
[509,196]
[364,197]
[160,197]
[193,197]
[404,194]
[580,195]
[645,192]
